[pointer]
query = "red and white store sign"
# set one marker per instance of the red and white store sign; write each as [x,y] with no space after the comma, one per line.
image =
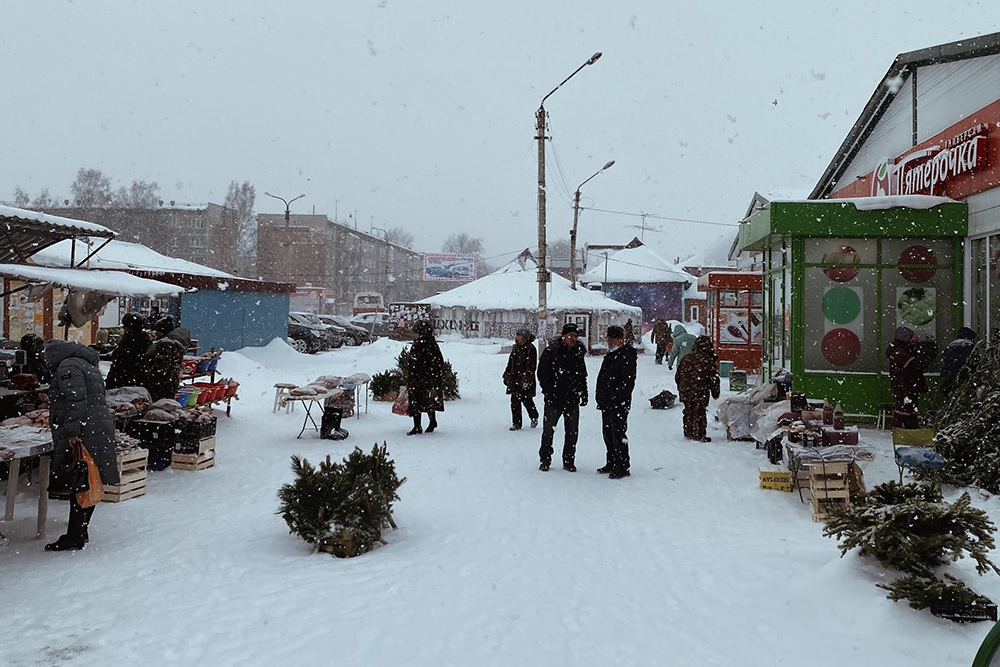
[926,171]
[960,161]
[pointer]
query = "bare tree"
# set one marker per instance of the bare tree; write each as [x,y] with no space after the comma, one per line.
[240,200]
[399,236]
[91,188]
[21,198]
[463,244]
[138,195]
[43,200]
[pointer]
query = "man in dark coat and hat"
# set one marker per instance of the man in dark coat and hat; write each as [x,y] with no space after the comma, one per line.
[955,358]
[164,358]
[562,374]
[697,379]
[78,415]
[128,367]
[425,378]
[908,358]
[519,378]
[662,338]
[613,396]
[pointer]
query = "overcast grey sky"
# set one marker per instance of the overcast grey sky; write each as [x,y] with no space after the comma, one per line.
[421,114]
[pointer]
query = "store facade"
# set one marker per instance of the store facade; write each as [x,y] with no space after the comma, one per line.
[932,126]
[841,276]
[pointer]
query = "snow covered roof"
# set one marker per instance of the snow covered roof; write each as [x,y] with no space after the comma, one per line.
[123,256]
[641,264]
[714,253]
[513,288]
[113,283]
[921,202]
[27,232]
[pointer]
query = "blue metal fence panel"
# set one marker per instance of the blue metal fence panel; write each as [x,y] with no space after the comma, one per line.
[229,320]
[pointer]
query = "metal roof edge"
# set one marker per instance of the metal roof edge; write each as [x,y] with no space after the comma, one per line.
[881,98]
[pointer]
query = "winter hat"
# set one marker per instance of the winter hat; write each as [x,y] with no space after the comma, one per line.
[423,328]
[967,334]
[133,321]
[569,328]
[165,324]
[615,331]
[523,331]
[904,334]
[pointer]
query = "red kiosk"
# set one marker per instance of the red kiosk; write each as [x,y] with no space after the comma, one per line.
[735,316]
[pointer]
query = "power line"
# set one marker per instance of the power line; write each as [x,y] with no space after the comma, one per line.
[661,217]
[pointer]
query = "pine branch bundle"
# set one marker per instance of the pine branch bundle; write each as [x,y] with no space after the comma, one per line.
[341,503]
[908,527]
[950,598]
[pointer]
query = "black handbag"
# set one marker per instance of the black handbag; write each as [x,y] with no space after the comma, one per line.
[73,475]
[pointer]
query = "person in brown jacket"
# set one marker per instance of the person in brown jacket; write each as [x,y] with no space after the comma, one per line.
[519,377]
[697,379]
[662,338]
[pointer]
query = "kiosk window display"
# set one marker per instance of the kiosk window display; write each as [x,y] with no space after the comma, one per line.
[839,280]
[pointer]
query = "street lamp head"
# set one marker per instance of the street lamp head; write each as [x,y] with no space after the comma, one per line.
[610,164]
[594,58]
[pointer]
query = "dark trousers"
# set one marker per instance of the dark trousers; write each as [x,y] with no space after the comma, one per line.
[614,424]
[79,519]
[431,422]
[661,351]
[695,420]
[569,410]
[516,401]
[906,409]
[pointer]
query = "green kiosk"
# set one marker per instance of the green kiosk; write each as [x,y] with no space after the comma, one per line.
[840,275]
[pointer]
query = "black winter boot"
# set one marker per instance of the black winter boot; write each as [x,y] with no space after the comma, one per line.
[416,430]
[433,424]
[66,543]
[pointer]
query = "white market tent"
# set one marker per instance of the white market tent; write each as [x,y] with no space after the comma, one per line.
[639,264]
[497,305]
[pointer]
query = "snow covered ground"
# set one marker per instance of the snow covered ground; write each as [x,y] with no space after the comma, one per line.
[494,563]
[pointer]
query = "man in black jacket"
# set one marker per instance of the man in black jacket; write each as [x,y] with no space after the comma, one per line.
[128,367]
[615,383]
[562,374]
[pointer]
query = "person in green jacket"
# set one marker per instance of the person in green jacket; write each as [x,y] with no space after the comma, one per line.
[683,342]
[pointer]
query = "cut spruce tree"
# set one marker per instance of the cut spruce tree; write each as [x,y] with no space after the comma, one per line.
[968,423]
[341,507]
[449,379]
[909,528]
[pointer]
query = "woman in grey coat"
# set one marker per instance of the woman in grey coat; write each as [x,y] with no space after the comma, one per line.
[78,414]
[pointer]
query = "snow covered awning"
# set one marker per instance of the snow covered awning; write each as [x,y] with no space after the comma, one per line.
[111,283]
[23,232]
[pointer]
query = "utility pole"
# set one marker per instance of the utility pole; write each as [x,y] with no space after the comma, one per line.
[576,218]
[543,273]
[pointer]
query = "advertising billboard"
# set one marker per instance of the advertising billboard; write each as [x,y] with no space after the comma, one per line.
[447,267]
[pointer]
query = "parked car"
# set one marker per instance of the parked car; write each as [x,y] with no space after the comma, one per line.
[353,334]
[377,324]
[308,334]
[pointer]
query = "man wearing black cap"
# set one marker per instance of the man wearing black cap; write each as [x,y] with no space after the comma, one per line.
[520,378]
[127,364]
[613,395]
[562,374]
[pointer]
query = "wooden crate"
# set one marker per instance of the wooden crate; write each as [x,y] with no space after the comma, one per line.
[203,445]
[201,461]
[829,487]
[133,473]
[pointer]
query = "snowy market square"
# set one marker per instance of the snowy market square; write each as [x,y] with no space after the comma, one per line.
[515,334]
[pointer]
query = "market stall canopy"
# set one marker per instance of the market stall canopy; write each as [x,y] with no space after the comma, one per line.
[23,233]
[514,287]
[640,264]
[122,256]
[112,283]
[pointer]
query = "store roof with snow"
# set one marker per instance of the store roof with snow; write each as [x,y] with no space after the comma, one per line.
[497,305]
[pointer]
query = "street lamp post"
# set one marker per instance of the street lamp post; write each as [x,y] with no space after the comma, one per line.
[288,203]
[543,274]
[576,218]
